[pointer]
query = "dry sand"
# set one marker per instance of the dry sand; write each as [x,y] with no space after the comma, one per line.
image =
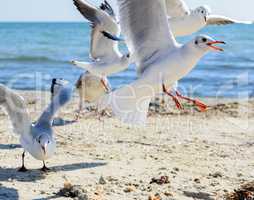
[204,155]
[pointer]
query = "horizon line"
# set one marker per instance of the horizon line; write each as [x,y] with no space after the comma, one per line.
[82,21]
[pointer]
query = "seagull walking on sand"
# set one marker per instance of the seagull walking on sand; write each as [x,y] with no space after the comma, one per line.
[185,21]
[90,89]
[105,54]
[37,139]
[160,60]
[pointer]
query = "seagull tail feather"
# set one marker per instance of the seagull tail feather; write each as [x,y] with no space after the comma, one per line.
[83,65]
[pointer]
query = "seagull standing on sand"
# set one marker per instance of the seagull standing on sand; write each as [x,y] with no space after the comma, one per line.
[160,60]
[185,21]
[105,53]
[37,139]
[90,89]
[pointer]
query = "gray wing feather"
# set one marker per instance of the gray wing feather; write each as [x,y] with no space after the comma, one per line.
[222,20]
[100,47]
[63,97]
[16,110]
[145,26]
[177,8]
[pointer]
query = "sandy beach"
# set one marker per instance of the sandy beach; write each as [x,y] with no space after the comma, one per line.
[178,155]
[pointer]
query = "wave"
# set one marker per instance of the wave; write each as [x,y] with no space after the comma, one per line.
[40,59]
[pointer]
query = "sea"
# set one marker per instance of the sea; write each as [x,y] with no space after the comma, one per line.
[31,54]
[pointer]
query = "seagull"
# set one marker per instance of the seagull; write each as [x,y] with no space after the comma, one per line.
[185,21]
[105,54]
[36,138]
[160,60]
[92,85]
[91,89]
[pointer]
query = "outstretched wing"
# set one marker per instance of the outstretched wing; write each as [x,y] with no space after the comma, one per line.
[101,19]
[177,8]
[60,99]
[145,27]
[222,20]
[16,110]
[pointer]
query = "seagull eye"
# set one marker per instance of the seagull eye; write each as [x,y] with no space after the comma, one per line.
[204,40]
[196,42]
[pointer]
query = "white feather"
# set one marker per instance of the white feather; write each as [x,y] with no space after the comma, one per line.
[145,27]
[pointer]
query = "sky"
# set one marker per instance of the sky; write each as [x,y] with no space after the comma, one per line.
[63,10]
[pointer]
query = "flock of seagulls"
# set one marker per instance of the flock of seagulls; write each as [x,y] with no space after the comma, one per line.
[149,29]
[160,59]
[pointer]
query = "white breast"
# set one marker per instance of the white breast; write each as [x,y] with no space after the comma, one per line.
[35,150]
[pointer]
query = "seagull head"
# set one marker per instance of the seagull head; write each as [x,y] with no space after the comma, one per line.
[203,11]
[43,141]
[207,43]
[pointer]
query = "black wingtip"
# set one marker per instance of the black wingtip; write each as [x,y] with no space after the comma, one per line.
[105,6]
[77,4]
[111,37]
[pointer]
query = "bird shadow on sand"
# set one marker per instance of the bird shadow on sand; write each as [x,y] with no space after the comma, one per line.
[198,195]
[78,166]
[138,143]
[9,174]
[62,122]
[10,146]
[8,193]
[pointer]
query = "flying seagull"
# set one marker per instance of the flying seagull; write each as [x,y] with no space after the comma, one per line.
[185,21]
[160,60]
[92,85]
[38,138]
[105,54]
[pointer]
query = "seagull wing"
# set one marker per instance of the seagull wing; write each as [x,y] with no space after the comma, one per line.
[145,27]
[101,20]
[16,109]
[222,20]
[177,8]
[62,97]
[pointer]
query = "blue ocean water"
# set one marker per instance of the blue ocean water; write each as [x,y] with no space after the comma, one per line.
[31,54]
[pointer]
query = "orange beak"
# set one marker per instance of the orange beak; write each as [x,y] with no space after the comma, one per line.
[210,44]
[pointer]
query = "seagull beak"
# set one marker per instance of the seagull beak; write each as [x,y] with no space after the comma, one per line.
[210,44]
[44,148]
[205,19]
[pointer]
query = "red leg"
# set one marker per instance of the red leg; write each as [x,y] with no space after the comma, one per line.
[105,85]
[197,103]
[178,104]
